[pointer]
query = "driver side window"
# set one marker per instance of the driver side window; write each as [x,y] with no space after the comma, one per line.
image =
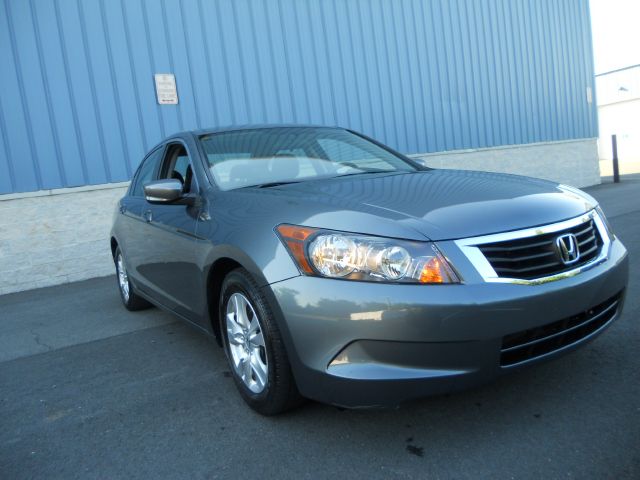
[146,172]
[176,165]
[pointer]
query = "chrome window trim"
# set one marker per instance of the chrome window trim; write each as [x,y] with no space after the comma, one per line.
[469,246]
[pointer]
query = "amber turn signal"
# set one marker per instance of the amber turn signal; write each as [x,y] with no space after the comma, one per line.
[294,237]
[431,271]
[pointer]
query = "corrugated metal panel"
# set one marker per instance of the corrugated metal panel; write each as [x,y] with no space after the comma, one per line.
[78,103]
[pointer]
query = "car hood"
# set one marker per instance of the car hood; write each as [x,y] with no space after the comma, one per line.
[437,204]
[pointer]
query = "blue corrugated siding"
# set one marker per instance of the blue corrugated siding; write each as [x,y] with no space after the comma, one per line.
[78,102]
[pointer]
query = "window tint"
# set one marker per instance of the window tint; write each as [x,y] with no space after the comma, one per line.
[306,165]
[252,157]
[176,165]
[350,154]
[224,164]
[146,171]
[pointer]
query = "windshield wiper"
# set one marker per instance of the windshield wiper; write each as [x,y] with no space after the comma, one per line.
[275,184]
[364,172]
[287,182]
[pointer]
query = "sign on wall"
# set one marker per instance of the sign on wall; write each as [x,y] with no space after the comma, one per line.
[166,90]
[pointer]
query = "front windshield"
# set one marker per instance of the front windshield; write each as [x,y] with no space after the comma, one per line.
[243,158]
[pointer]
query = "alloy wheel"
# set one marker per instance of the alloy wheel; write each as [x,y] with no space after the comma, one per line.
[123,278]
[246,343]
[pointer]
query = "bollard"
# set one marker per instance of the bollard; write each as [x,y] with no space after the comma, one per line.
[616,170]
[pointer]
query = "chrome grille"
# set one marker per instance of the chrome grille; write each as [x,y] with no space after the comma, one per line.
[537,256]
[529,344]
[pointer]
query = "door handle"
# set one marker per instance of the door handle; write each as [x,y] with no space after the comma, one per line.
[148,216]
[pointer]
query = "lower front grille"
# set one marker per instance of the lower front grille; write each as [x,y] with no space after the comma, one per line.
[529,344]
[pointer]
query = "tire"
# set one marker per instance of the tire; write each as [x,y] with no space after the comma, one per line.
[255,351]
[130,299]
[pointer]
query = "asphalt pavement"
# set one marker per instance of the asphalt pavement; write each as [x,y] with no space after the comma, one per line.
[90,390]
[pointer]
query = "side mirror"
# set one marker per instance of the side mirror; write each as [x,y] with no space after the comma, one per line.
[421,161]
[163,191]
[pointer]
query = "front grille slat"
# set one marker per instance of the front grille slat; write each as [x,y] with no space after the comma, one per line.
[588,240]
[519,259]
[529,269]
[489,248]
[531,257]
[592,249]
[530,344]
[582,232]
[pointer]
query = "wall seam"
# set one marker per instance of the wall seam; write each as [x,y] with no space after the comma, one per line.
[190,68]
[273,66]
[23,100]
[70,91]
[152,61]
[287,62]
[223,50]
[172,67]
[92,87]
[241,62]
[7,148]
[134,76]
[124,144]
[47,95]
[207,53]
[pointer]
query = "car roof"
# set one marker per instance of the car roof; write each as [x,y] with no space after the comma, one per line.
[188,134]
[231,128]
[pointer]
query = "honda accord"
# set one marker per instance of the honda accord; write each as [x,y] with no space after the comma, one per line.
[330,267]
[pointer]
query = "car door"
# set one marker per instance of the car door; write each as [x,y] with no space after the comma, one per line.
[168,262]
[133,238]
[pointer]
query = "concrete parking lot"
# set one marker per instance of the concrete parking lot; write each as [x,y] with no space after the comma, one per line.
[89,390]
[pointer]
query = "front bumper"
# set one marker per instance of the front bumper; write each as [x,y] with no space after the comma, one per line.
[358,344]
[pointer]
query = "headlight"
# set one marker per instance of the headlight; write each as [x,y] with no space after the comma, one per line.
[605,222]
[332,254]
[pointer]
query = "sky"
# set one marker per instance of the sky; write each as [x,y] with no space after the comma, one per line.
[616,33]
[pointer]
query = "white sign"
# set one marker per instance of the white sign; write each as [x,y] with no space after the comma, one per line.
[166,90]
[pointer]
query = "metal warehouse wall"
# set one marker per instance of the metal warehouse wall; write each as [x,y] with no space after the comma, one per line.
[78,105]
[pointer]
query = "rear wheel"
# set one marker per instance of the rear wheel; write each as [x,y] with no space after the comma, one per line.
[130,299]
[254,347]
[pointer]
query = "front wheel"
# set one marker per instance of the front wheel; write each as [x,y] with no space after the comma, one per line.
[254,347]
[130,299]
